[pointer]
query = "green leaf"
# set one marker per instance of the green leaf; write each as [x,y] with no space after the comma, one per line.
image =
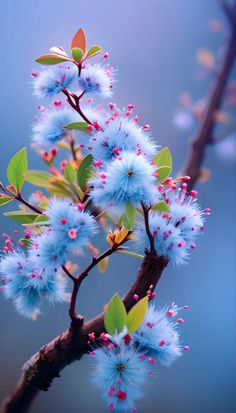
[115,315]
[77,54]
[39,178]
[5,199]
[136,315]
[161,207]
[51,59]
[82,126]
[129,217]
[163,173]
[131,254]
[93,51]
[25,241]
[41,219]
[70,174]
[17,169]
[22,217]
[84,171]
[163,158]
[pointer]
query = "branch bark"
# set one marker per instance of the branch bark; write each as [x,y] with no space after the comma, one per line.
[199,142]
[44,366]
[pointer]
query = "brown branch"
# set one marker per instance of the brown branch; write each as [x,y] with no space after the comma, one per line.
[76,318]
[74,102]
[44,366]
[203,136]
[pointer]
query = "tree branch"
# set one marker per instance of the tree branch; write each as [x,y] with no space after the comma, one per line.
[203,136]
[44,366]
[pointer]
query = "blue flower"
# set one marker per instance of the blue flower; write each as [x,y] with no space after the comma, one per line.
[96,79]
[174,232]
[157,337]
[167,238]
[26,284]
[52,80]
[28,302]
[119,135]
[73,228]
[128,178]
[186,214]
[119,373]
[50,126]
[13,270]
[48,252]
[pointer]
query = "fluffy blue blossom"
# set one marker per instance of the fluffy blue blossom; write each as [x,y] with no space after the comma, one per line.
[119,374]
[73,228]
[50,126]
[167,238]
[119,135]
[175,232]
[158,337]
[52,80]
[96,79]
[48,252]
[186,214]
[28,302]
[27,284]
[126,179]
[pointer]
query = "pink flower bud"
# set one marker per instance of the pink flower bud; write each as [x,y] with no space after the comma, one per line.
[72,233]
[57,103]
[186,348]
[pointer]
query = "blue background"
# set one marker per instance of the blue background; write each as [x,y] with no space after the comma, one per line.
[153,45]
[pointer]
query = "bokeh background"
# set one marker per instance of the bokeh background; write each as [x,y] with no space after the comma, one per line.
[153,45]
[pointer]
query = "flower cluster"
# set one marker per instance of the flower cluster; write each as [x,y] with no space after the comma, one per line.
[49,127]
[128,178]
[122,364]
[29,277]
[54,79]
[175,232]
[26,283]
[120,133]
[96,79]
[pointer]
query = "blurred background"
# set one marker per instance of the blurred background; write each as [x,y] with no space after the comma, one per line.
[153,45]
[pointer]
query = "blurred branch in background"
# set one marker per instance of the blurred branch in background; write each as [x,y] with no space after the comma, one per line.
[47,364]
[204,135]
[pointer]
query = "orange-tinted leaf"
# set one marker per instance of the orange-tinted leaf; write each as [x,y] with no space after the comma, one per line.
[206,58]
[121,235]
[185,100]
[215,25]
[79,40]
[103,264]
[204,175]
[220,116]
